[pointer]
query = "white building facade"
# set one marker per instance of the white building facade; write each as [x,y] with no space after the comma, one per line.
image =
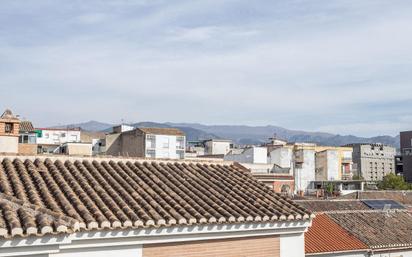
[165,146]
[217,146]
[50,136]
[253,155]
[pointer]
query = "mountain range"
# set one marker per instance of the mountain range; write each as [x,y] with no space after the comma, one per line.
[246,135]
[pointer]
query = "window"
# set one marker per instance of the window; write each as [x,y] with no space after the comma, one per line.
[23,139]
[32,139]
[46,135]
[150,153]
[166,143]
[8,128]
[150,141]
[55,136]
[63,134]
[180,154]
[180,143]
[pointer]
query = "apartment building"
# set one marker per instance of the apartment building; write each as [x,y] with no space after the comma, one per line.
[163,143]
[49,140]
[217,146]
[253,154]
[304,166]
[334,163]
[27,138]
[9,132]
[296,159]
[405,159]
[373,161]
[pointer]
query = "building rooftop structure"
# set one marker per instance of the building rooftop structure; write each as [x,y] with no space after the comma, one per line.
[8,115]
[26,126]
[326,236]
[404,197]
[332,205]
[378,229]
[163,131]
[360,231]
[66,194]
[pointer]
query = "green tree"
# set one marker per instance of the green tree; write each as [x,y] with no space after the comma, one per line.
[329,188]
[394,182]
[357,177]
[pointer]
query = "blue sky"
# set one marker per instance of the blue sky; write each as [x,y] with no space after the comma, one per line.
[335,66]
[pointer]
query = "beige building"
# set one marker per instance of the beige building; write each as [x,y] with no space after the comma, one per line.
[9,132]
[76,149]
[27,139]
[333,163]
[161,143]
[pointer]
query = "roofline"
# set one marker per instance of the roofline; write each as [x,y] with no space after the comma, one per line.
[59,129]
[111,158]
[143,236]
[218,140]
[337,252]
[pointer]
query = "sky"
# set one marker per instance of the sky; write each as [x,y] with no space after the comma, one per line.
[341,66]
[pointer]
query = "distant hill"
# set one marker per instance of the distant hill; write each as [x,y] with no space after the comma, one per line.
[88,126]
[248,134]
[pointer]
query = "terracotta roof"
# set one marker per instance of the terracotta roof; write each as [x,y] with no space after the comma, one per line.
[163,131]
[26,126]
[378,229]
[113,194]
[332,205]
[404,197]
[19,218]
[325,236]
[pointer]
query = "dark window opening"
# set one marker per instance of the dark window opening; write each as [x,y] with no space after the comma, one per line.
[8,128]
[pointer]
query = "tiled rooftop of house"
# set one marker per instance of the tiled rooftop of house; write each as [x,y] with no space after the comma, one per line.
[117,193]
[163,131]
[325,236]
[404,197]
[19,218]
[378,229]
[26,126]
[332,205]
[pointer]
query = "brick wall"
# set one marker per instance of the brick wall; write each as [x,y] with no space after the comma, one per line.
[277,186]
[242,247]
[16,128]
[28,149]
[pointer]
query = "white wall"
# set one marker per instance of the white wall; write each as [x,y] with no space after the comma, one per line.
[9,144]
[217,147]
[406,253]
[306,174]
[110,251]
[166,147]
[253,155]
[292,245]
[333,165]
[57,137]
[282,157]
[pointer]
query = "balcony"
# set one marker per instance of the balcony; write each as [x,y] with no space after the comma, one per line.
[299,157]
[346,160]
